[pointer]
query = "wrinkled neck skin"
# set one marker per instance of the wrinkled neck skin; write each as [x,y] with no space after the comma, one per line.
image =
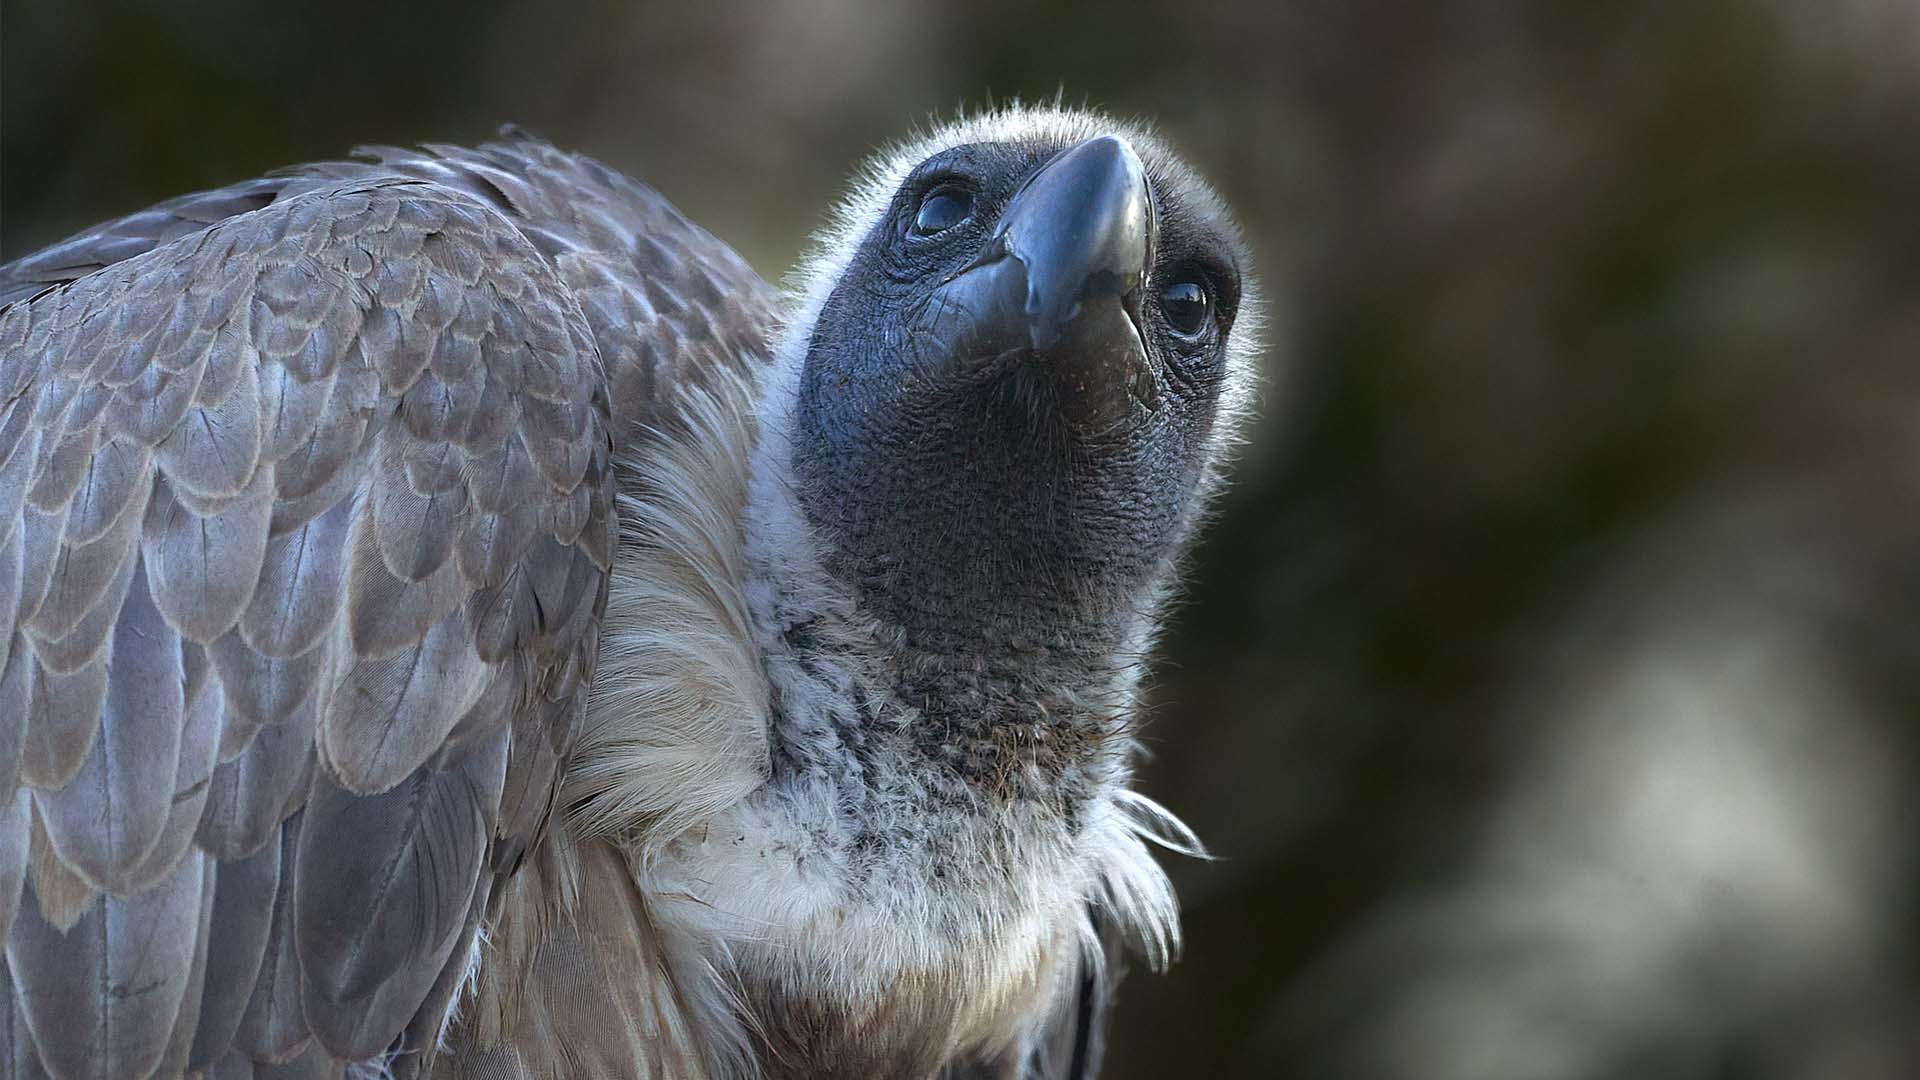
[962,679]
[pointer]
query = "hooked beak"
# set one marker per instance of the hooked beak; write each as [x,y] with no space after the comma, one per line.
[1061,277]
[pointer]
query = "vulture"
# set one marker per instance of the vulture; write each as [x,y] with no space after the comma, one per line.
[458,621]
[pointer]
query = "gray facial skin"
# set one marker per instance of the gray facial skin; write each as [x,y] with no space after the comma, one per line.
[1007,456]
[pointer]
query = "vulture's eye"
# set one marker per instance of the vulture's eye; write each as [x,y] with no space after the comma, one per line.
[942,209]
[1188,305]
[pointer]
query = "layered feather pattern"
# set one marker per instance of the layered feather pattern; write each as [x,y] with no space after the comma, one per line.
[305,522]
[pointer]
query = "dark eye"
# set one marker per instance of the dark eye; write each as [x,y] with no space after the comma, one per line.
[1189,306]
[942,209]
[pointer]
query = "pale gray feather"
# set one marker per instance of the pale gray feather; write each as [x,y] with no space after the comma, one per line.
[101,999]
[243,910]
[110,814]
[186,1019]
[272,1026]
[16,823]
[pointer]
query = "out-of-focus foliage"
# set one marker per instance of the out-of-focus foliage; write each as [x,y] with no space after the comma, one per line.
[1549,684]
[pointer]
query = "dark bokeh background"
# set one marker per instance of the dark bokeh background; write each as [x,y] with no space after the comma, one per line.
[1548,687]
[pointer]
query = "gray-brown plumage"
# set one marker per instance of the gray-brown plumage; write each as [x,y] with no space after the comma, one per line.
[305,519]
[309,560]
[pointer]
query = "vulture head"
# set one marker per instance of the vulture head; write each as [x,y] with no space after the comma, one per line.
[1017,357]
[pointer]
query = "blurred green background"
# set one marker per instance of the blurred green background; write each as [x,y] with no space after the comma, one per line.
[1549,680]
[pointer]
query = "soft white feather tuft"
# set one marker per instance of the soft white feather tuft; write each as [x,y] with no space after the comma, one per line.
[469,982]
[380,1068]
[676,726]
[1152,822]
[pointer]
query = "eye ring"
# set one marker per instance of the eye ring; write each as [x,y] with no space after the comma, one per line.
[1187,302]
[941,209]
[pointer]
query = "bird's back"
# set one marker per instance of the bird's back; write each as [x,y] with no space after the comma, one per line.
[292,671]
